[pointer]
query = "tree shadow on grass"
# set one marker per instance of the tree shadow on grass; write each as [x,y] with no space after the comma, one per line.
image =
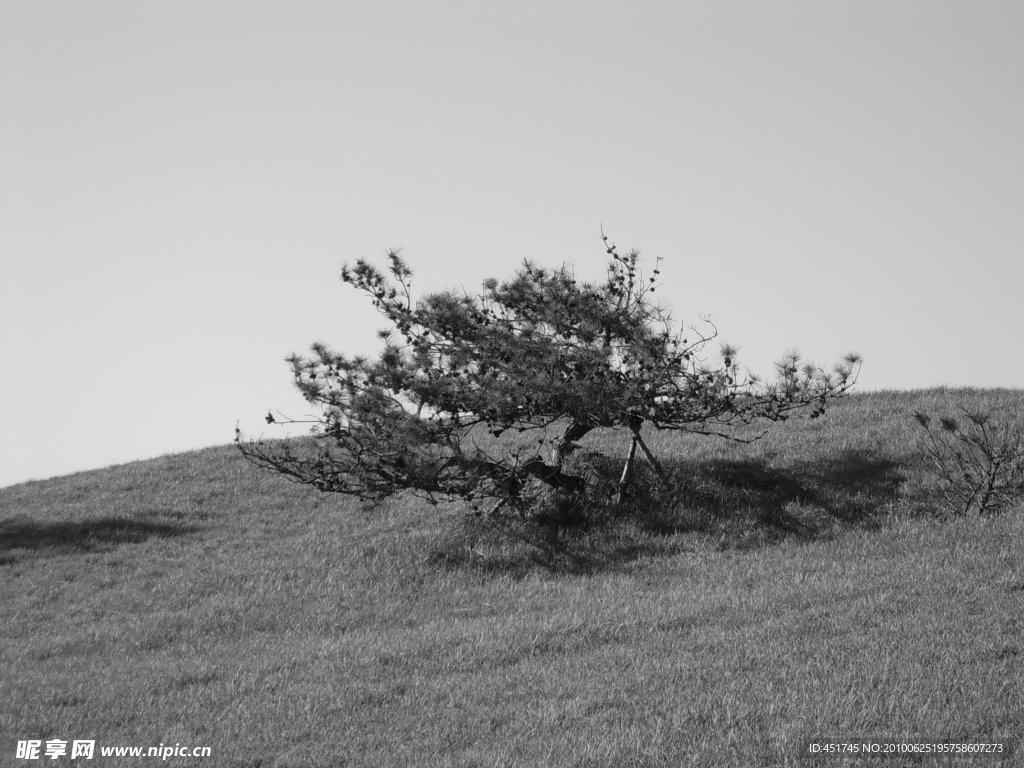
[68,537]
[807,499]
[721,504]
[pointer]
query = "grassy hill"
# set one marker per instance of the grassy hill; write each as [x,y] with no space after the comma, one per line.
[799,585]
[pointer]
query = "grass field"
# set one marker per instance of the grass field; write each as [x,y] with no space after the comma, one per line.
[801,585]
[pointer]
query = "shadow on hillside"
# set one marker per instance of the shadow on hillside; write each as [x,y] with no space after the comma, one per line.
[853,488]
[79,536]
[718,504]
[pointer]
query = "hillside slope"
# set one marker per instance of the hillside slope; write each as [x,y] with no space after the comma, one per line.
[801,584]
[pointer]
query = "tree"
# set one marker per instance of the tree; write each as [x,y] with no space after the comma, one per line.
[486,397]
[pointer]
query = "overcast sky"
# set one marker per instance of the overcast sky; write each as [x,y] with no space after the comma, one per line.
[181,182]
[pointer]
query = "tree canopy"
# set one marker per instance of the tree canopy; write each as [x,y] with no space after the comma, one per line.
[540,353]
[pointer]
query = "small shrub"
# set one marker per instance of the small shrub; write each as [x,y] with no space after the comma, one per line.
[978,460]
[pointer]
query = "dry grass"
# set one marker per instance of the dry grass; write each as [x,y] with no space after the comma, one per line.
[799,585]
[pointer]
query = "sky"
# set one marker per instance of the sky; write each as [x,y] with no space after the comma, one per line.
[182,181]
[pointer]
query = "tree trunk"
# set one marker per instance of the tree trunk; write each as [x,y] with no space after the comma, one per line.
[567,442]
[553,476]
